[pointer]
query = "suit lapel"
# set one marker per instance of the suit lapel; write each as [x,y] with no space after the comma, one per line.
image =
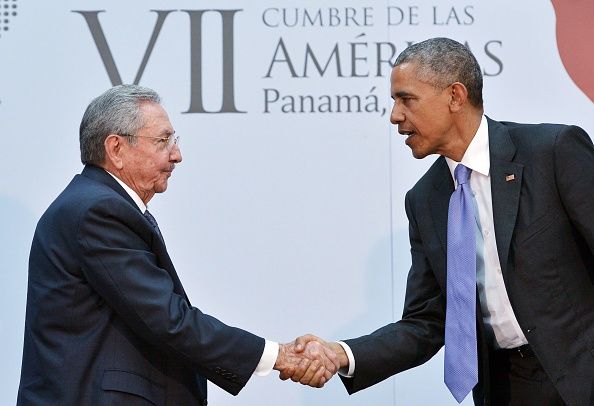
[506,185]
[438,202]
[166,263]
[100,175]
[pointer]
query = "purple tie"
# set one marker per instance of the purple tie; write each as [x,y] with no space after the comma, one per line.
[461,362]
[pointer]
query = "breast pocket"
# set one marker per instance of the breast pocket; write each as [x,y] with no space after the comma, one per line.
[537,227]
[132,389]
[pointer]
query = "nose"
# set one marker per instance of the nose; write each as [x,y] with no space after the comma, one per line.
[396,116]
[175,155]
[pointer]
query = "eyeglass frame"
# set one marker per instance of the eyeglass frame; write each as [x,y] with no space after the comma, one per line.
[170,141]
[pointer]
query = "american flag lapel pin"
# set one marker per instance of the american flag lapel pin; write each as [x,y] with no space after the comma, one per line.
[509,178]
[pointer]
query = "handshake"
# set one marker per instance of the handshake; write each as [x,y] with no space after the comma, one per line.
[310,360]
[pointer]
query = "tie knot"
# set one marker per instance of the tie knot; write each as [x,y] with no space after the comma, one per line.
[462,174]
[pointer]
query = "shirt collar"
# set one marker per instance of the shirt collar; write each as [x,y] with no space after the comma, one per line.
[476,156]
[131,192]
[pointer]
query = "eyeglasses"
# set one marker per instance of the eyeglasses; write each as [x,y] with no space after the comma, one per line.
[164,142]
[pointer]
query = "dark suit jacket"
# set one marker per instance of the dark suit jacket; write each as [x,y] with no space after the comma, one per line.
[108,321]
[544,226]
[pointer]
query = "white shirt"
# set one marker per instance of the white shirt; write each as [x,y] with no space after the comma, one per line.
[271,348]
[498,316]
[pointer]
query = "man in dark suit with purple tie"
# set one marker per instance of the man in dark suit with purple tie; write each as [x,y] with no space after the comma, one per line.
[524,328]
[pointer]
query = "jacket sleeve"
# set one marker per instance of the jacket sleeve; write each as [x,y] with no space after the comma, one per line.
[416,337]
[574,171]
[118,263]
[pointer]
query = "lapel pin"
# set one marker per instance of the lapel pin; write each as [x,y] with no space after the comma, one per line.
[509,178]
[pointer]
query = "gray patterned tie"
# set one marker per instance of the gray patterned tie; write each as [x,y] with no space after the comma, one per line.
[153,223]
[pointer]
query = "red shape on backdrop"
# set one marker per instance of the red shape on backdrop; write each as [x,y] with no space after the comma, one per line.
[575,41]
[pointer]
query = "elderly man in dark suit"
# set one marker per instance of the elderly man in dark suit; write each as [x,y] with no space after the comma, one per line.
[518,327]
[108,321]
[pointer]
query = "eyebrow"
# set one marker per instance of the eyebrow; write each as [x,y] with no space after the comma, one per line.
[167,132]
[401,94]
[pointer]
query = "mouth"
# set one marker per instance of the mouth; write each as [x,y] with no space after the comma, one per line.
[406,133]
[408,136]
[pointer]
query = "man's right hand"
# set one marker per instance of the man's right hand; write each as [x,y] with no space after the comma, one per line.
[308,360]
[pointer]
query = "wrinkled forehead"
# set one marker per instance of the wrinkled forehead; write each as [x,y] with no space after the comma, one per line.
[413,74]
[155,117]
[413,70]
[408,80]
[403,75]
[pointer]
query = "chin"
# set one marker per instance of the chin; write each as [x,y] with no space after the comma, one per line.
[418,154]
[160,188]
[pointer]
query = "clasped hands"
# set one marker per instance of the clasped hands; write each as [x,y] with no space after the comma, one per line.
[310,360]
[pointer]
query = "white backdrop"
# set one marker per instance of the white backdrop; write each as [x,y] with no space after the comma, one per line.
[282,219]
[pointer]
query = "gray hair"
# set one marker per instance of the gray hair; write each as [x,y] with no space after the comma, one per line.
[116,111]
[443,61]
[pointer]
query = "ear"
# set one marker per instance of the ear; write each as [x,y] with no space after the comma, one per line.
[458,96]
[114,145]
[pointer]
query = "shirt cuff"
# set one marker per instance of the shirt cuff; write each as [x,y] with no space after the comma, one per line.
[347,373]
[268,359]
